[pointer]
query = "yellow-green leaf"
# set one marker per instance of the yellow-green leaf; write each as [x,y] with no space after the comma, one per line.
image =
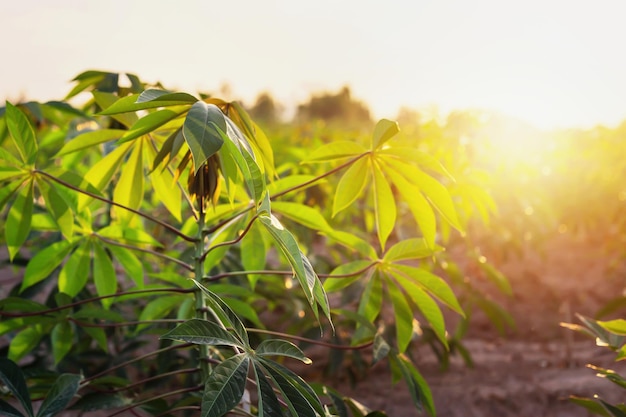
[384,130]
[62,337]
[384,207]
[74,274]
[336,150]
[44,262]
[104,274]
[18,221]
[89,139]
[22,133]
[351,185]
[129,189]
[403,316]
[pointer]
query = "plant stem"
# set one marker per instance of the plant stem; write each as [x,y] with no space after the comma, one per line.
[157,397]
[201,307]
[311,341]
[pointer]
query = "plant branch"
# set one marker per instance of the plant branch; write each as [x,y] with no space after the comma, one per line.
[157,397]
[91,300]
[151,252]
[122,324]
[231,242]
[312,341]
[137,359]
[113,203]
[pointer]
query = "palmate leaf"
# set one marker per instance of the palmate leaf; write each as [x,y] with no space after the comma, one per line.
[225,314]
[277,347]
[426,305]
[431,283]
[351,185]
[201,131]
[130,186]
[103,274]
[12,377]
[59,396]
[74,274]
[403,316]
[384,206]
[336,150]
[44,262]
[203,332]
[268,404]
[383,131]
[225,386]
[418,388]
[299,396]
[90,139]
[18,221]
[22,133]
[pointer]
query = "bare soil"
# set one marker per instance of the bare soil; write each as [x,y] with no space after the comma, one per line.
[531,371]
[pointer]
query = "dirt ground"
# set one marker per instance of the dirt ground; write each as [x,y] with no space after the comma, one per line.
[533,370]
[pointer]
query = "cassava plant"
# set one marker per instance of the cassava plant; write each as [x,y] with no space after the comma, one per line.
[156,276]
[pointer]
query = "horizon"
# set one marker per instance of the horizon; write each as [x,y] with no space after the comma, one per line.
[553,65]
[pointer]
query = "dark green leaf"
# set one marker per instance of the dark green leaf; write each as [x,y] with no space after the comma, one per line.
[22,133]
[18,221]
[201,130]
[276,347]
[418,388]
[11,376]
[100,401]
[59,396]
[225,386]
[8,410]
[202,332]
[267,401]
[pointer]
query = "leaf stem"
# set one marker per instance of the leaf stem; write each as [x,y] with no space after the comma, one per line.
[230,242]
[151,252]
[113,203]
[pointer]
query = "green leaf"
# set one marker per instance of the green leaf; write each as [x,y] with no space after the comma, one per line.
[166,190]
[253,253]
[426,305]
[423,159]
[591,405]
[413,248]
[22,133]
[403,316]
[58,208]
[335,284]
[351,185]
[299,396]
[8,410]
[162,98]
[62,337]
[384,207]
[60,395]
[7,172]
[431,283]
[24,342]
[18,221]
[159,308]
[353,242]
[44,262]
[372,298]
[225,386]
[617,326]
[12,377]
[303,214]
[202,131]
[89,139]
[129,261]
[268,404]
[100,401]
[421,210]
[105,100]
[384,130]
[439,196]
[151,122]
[104,274]
[497,278]
[336,150]
[224,313]
[100,174]
[418,388]
[202,332]
[75,272]
[277,347]
[129,190]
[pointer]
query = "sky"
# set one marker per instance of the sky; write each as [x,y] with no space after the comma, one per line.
[553,63]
